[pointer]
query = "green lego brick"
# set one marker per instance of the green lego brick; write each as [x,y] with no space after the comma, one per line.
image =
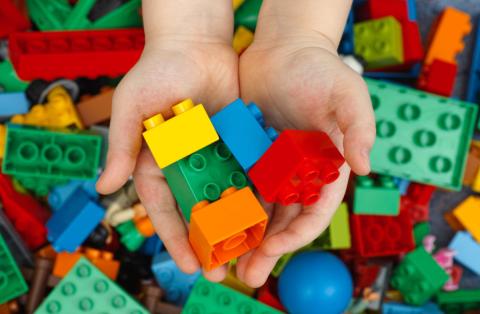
[35,152]
[209,298]
[204,175]
[420,231]
[38,185]
[127,15]
[379,197]
[129,236]
[49,15]
[247,14]
[418,277]
[9,81]
[459,301]
[281,263]
[12,283]
[379,42]
[421,137]
[78,17]
[337,235]
[86,289]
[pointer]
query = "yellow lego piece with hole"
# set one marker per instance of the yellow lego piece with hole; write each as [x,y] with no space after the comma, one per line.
[242,39]
[180,136]
[468,214]
[237,3]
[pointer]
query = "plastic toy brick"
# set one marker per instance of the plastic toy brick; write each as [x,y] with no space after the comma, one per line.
[12,284]
[17,247]
[190,126]
[399,308]
[38,186]
[378,196]
[412,43]
[34,152]
[87,289]
[346,43]
[460,301]
[176,284]
[268,294]
[296,166]
[203,176]
[59,194]
[473,90]
[412,10]
[11,19]
[420,231]
[376,9]
[375,236]
[242,128]
[247,14]
[49,16]
[364,274]
[379,42]
[237,4]
[151,246]
[9,81]
[12,104]
[96,109]
[473,164]
[476,183]
[438,78]
[281,263]
[232,281]
[453,222]
[227,228]
[468,215]
[3,137]
[242,38]
[209,297]
[71,224]
[420,136]
[133,234]
[408,75]
[467,251]
[402,185]
[73,54]
[337,235]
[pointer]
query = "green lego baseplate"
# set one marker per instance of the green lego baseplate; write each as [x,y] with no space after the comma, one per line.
[418,277]
[379,196]
[379,42]
[204,175]
[12,283]
[9,81]
[420,137]
[211,298]
[36,152]
[459,301]
[85,289]
[420,231]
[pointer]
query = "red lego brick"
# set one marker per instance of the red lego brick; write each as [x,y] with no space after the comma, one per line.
[364,276]
[11,19]
[417,212]
[296,166]
[420,194]
[74,54]
[26,214]
[376,9]
[438,78]
[375,236]
[268,294]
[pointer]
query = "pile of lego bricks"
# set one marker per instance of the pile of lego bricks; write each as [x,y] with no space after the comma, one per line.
[66,249]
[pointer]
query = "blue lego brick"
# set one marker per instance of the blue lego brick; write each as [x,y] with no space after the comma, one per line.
[412,10]
[402,185]
[177,284]
[152,245]
[473,90]
[468,251]
[12,104]
[71,224]
[59,194]
[399,308]
[242,128]
[346,44]
[412,74]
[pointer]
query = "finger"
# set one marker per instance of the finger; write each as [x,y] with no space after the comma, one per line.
[355,119]
[160,205]
[217,274]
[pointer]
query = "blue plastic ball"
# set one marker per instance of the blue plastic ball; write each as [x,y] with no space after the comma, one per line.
[315,282]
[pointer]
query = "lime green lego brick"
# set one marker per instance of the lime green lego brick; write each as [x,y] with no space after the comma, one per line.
[247,14]
[281,263]
[127,15]
[379,42]
[379,197]
[86,289]
[49,15]
[459,301]
[36,152]
[209,298]
[9,81]
[418,277]
[204,175]
[420,231]
[337,234]
[12,283]
[420,136]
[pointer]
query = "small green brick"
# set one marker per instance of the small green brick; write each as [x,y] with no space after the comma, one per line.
[9,81]
[49,15]
[85,289]
[379,42]
[420,231]
[38,185]
[211,298]
[418,277]
[204,175]
[337,235]
[129,236]
[379,197]
[459,301]
[12,283]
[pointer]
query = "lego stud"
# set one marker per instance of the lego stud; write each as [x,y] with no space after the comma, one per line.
[75,155]
[119,301]
[86,304]
[222,152]
[256,113]
[182,107]
[399,155]
[365,181]
[238,179]
[449,122]
[310,195]
[28,151]
[153,121]
[197,162]
[409,112]
[271,133]
[234,241]
[200,205]
[308,173]
[288,196]
[54,307]
[424,138]
[387,181]
[375,102]
[329,173]
[440,164]
[51,153]
[228,192]
[211,191]
[385,129]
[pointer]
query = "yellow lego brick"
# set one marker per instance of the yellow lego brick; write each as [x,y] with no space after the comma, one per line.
[242,39]
[233,282]
[237,3]
[180,136]
[476,183]
[468,214]
[3,134]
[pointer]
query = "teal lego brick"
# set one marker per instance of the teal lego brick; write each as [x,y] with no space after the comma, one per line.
[12,283]
[36,152]
[418,277]
[49,15]
[379,42]
[209,298]
[420,231]
[85,289]
[459,301]
[379,196]
[9,80]
[204,175]
[420,137]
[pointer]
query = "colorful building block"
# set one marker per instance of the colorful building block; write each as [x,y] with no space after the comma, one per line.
[227,228]
[418,277]
[188,131]
[402,185]
[203,176]
[133,233]
[438,78]
[11,19]
[96,109]
[281,263]
[460,301]
[379,42]
[73,54]
[468,214]
[9,81]
[420,136]
[473,163]
[12,283]
[378,196]
[337,234]
[51,16]
[12,104]
[268,294]
[412,10]
[242,128]
[34,152]
[209,297]
[376,9]
[399,308]
[473,90]
[59,194]
[420,231]
[87,289]
[296,166]
[176,284]
[237,4]
[71,224]
[242,38]
[247,14]
[232,281]
[467,251]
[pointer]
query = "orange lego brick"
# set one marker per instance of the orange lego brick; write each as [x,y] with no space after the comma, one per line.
[473,164]
[96,109]
[453,221]
[446,39]
[468,214]
[227,228]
